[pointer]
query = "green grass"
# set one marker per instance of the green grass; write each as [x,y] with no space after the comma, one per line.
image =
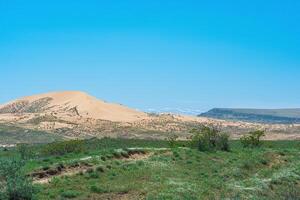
[269,172]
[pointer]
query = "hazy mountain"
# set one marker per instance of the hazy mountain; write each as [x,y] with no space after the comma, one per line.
[275,116]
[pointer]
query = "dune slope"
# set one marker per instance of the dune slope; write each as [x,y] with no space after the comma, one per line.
[72,103]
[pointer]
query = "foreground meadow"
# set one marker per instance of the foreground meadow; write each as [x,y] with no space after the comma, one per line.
[142,169]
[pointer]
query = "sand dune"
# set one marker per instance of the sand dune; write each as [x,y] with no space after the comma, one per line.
[73,103]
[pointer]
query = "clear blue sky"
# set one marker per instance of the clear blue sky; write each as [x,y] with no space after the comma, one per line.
[154,54]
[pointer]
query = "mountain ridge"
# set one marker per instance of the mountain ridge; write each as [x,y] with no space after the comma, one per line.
[279,116]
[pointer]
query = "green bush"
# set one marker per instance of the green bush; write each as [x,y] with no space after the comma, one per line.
[100,169]
[94,175]
[70,194]
[117,154]
[208,139]
[61,148]
[96,189]
[222,142]
[15,185]
[172,140]
[252,139]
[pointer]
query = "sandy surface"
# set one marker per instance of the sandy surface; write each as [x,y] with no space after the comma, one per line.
[86,106]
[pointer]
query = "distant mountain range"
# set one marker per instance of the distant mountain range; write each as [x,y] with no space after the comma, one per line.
[273,116]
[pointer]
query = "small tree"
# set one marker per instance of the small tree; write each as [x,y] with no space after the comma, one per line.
[252,139]
[207,139]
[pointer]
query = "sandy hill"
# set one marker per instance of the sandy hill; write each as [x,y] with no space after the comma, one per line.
[72,104]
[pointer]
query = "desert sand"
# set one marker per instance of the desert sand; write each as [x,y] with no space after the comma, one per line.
[82,105]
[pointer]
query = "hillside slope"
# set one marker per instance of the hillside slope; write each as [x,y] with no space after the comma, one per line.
[275,116]
[71,104]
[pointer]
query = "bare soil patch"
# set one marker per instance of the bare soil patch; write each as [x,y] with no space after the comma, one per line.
[44,176]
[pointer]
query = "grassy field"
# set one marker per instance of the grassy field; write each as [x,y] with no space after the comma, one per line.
[145,169]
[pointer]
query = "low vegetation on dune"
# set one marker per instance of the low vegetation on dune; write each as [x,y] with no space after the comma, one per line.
[10,134]
[209,166]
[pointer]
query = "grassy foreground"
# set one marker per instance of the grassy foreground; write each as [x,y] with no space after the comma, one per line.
[105,169]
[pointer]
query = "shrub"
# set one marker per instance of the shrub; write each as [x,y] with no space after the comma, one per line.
[70,194]
[60,166]
[103,158]
[222,142]
[94,175]
[74,164]
[252,139]
[117,154]
[15,185]
[96,189]
[208,139]
[172,138]
[62,148]
[100,169]
[176,154]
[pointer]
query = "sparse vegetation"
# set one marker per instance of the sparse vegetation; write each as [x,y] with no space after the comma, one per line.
[10,134]
[152,170]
